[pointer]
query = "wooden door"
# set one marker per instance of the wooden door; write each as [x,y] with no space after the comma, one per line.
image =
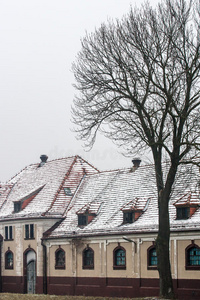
[31,277]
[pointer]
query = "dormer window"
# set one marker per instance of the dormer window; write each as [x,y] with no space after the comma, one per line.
[23,202]
[67,191]
[134,209]
[87,213]
[17,206]
[187,205]
[128,217]
[85,218]
[82,220]
[182,213]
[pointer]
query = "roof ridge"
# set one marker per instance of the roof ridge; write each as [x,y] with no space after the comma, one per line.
[61,158]
[37,164]
[78,156]
[118,170]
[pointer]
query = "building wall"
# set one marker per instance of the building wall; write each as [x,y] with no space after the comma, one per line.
[136,259]
[135,281]
[13,279]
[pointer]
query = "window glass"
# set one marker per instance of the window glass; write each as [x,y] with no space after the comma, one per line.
[82,220]
[128,217]
[9,260]
[153,257]
[88,258]
[60,258]
[67,191]
[182,213]
[8,233]
[194,256]
[17,207]
[29,231]
[120,257]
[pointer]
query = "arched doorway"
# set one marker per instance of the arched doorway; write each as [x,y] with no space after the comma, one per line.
[30,271]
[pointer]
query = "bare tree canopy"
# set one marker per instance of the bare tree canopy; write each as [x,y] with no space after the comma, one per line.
[138,81]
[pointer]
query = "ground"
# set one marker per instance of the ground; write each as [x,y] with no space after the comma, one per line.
[51,297]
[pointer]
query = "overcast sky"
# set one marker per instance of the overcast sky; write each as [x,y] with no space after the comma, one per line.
[39,40]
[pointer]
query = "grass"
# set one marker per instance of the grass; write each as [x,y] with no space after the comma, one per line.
[7,296]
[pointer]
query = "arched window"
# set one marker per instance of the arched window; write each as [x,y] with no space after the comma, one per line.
[119,258]
[60,259]
[88,258]
[192,256]
[9,260]
[152,258]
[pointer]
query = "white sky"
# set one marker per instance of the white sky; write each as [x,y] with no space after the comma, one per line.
[39,40]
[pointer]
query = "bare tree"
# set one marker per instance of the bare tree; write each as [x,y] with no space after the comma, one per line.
[139,83]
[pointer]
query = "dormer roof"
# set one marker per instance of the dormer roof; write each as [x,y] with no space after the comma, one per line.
[189,199]
[90,208]
[137,204]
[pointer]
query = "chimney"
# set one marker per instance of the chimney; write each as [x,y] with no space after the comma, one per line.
[136,163]
[43,158]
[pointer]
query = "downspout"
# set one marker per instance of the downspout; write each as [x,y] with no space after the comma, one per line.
[44,267]
[45,236]
[1,242]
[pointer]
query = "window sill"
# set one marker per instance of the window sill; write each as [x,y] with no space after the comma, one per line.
[88,267]
[152,268]
[29,238]
[59,267]
[119,267]
[128,222]
[193,268]
[8,268]
[7,240]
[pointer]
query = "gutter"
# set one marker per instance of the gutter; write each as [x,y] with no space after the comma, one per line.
[44,267]
[1,242]
[86,235]
[45,236]
[14,218]
[120,232]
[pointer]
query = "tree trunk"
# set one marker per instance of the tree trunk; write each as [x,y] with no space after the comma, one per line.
[162,248]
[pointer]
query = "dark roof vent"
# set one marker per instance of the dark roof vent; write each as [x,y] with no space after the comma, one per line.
[43,158]
[136,163]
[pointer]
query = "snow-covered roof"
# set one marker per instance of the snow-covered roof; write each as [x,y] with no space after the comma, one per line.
[67,187]
[111,193]
[40,189]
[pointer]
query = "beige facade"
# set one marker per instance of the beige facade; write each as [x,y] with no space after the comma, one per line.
[19,244]
[136,256]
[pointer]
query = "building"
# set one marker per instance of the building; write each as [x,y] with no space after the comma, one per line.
[30,203]
[67,228]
